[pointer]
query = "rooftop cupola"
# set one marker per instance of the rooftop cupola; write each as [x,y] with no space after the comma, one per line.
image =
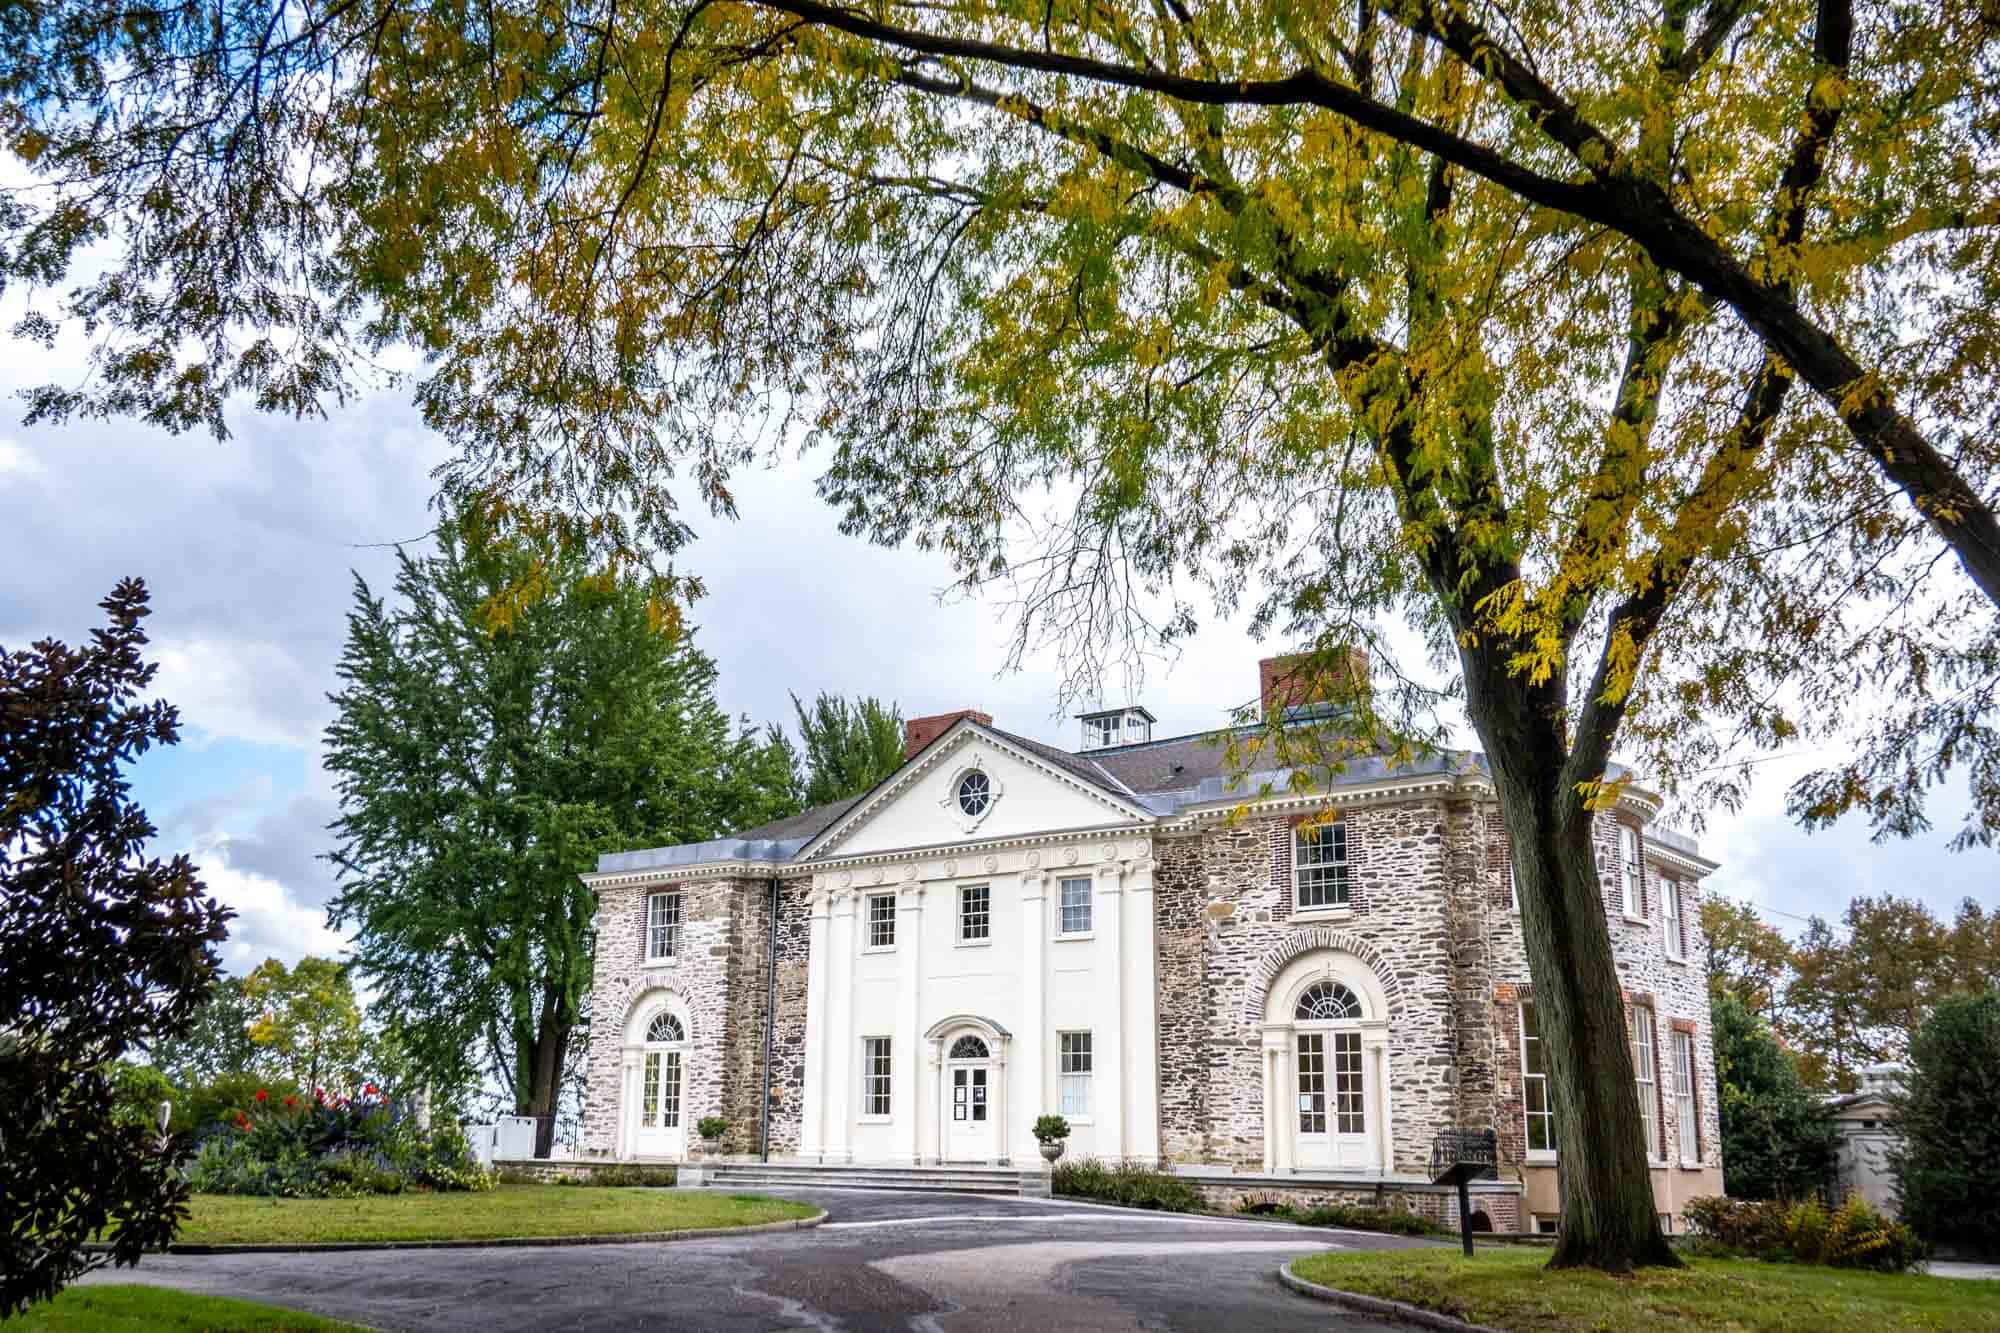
[1131,725]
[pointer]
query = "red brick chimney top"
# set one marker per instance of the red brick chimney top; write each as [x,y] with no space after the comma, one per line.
[921,731]
[1293,679]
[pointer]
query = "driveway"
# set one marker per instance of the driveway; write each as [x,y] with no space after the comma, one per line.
[930,1263]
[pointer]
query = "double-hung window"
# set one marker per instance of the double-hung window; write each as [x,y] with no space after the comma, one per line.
[1073,907]
[1629,871]
[1319,865]
[1640,1024]
[663,925]
[881,920]
[1670,919]
[1075,1069]
[1540,1112]
[1687,1125]
[975,913]
[875,1066]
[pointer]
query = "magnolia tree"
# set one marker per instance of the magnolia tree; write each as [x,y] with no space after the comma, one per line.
[1646,361]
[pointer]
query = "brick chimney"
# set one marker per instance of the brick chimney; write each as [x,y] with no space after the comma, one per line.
[921,731]
[1293,679]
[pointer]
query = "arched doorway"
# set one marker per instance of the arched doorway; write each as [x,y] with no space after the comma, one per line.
[656,1099]
[969,1061]
[1326,1103]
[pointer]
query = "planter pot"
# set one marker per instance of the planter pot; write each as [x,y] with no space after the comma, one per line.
[1051,1151]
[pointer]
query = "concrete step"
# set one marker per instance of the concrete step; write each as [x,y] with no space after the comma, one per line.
[953,1180]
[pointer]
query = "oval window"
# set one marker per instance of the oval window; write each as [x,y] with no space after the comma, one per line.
[975,793]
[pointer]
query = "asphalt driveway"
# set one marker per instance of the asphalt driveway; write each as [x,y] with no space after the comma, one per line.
[931,1263]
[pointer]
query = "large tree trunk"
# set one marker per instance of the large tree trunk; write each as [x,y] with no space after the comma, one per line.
[1608,1217]
[546,1067]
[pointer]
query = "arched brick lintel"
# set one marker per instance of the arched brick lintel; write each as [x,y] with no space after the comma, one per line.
[1306,941]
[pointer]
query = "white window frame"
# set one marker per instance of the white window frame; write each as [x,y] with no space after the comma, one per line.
[983,917]
[877,1075]
[880,941]
[1065,927]
[663,925]
[1340,867]
[1075,1065]
[1673,931]
[1631,874]
[1645,1072]
[1687,1108]
[1528,1076]
[1107,731]
[1513,888]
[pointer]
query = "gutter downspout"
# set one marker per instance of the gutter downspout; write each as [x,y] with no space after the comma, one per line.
[770,1022]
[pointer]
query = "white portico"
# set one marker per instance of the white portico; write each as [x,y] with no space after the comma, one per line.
[981,945]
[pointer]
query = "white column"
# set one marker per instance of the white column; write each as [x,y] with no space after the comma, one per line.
[999,1094]
[628,1098]
[842,1055]
[1378,1043]
[1288,1119]
[909,1096]
[1029,1056]
[1273,1056]
[1143,993]
[812,1134]
[1109,1113]
[934,1096]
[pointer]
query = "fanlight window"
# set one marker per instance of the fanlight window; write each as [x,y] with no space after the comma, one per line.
[975,792]
[968,1048]
[666,1027]
[1327,1000]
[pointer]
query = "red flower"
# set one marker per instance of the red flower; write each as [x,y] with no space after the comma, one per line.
[370,1089]
[242,1121]
[263,1096]
[290,1101]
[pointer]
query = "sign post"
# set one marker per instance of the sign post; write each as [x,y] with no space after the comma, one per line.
[1458,1157]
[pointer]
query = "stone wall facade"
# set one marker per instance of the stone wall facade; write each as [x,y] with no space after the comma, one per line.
[1430,916]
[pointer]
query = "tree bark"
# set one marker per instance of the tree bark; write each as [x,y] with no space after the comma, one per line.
[1609,1219]
[545,1068]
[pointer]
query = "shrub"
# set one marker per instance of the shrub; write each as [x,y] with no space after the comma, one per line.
[711,1126]
[1777,1138]
[1359,1217]
[1051,1129]
[1948,1168]
[1852,1236]
[287,1144]
[1127,1183]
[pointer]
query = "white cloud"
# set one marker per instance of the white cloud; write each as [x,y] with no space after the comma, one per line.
[17,462]
[270,922]
[243,690]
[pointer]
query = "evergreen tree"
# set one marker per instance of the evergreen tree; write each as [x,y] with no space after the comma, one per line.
[487,748]
[1777,1138]
[1948,1168]
[849,747]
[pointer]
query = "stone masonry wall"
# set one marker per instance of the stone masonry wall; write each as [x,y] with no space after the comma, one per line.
[788,1038]
[1224,899]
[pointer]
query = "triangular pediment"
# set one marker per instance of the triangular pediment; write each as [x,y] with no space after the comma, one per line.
[926,802]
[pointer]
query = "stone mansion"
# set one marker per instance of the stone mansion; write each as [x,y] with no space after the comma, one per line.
[1275,991]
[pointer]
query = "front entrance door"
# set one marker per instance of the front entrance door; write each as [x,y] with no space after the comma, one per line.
[969,1134]
[657,1130]
[1332,1102]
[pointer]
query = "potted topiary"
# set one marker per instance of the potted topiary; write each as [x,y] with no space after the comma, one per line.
[1050,1131]
[711,1128]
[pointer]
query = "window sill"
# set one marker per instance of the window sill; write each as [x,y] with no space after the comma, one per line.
[1691,1166]
[974,944]
[1322,913]
[667,961]
[1635,920]
[1078,1119]
[874,1120]
[878,948]
[1540,1157]
[1072,936]
[1680,961]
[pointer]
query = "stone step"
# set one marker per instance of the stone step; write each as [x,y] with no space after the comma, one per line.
[954,1180]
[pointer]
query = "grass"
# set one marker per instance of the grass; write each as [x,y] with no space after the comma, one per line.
[137,1309]
[506,1210]
[1509,1288]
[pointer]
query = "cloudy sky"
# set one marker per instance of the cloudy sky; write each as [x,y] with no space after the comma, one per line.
[250,547]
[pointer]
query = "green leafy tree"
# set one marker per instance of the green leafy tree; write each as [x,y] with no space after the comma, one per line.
[1643,359]
[308,1026]
[217,1039]
[103,950]
[849,746]
[1748,959]
[1777,1138]
[1825,1017]
[1948,1118]
[484,756]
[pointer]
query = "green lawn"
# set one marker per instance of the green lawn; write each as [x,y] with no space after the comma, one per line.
[508,1210]
[135,1309]
[1509,1288]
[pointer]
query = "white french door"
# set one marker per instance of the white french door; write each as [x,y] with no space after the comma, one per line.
[969,1126]
[659,1131]
[1330,1082]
